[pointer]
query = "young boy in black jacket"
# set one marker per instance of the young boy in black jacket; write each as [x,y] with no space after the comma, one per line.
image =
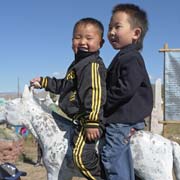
[83,94]
[129,92]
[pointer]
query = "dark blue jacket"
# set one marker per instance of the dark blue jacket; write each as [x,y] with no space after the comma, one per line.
[129,91]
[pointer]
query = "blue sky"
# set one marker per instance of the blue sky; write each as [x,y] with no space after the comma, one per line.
[35,36]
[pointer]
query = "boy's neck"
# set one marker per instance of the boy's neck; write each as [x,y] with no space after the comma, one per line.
[129,45]
[83,54]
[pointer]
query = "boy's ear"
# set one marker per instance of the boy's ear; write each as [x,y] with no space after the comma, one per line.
[137,33]
[102,42]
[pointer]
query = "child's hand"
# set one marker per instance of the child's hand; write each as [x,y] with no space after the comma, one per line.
[35,82]
[92,134]
[132,132]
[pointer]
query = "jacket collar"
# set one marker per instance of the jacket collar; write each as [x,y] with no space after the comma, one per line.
[82,55]
[124,50]
[84,58]
[127,48]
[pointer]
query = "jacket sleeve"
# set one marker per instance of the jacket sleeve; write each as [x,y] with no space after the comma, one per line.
[92,92]
[51,84]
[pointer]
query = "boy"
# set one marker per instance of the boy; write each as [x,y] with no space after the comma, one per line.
[129,92]
[83,94]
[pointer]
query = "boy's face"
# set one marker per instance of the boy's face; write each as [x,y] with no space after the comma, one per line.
[86,37]
[120,33]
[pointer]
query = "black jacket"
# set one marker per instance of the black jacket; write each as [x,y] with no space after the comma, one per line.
[129,91]
[83,90]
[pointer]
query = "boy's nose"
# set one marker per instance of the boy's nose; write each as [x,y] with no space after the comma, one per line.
[82,41]
[112,32]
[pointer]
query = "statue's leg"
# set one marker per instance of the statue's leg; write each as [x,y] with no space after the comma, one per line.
[137,178]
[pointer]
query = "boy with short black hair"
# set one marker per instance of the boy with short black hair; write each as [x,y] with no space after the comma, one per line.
[129,92]
[83,94]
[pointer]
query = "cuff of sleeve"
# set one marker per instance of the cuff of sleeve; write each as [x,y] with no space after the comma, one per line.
[43,82]
[91,125]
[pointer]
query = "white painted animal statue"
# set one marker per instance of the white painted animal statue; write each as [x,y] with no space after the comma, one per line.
[154,156]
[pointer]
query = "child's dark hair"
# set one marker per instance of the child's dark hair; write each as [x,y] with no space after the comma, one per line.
[92,21]
[137,18]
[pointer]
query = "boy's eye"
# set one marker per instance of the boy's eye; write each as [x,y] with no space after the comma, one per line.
[77,37]
[118,26]
[89,38]
[115,27]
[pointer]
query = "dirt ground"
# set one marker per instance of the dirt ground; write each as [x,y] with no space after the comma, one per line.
[27,161]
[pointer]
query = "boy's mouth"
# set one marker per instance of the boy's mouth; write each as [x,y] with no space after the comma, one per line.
[113,41]
[83,49]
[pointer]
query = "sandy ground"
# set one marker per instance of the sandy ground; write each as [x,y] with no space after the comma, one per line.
[38,173]
[27,164]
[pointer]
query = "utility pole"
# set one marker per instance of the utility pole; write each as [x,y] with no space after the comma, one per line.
[18,88]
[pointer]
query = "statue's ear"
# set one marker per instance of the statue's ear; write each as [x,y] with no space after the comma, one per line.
[27,93]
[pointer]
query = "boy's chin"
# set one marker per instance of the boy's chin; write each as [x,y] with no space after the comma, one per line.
[116,48]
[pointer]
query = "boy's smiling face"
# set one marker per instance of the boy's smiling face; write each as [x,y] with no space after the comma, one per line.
[86,37]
